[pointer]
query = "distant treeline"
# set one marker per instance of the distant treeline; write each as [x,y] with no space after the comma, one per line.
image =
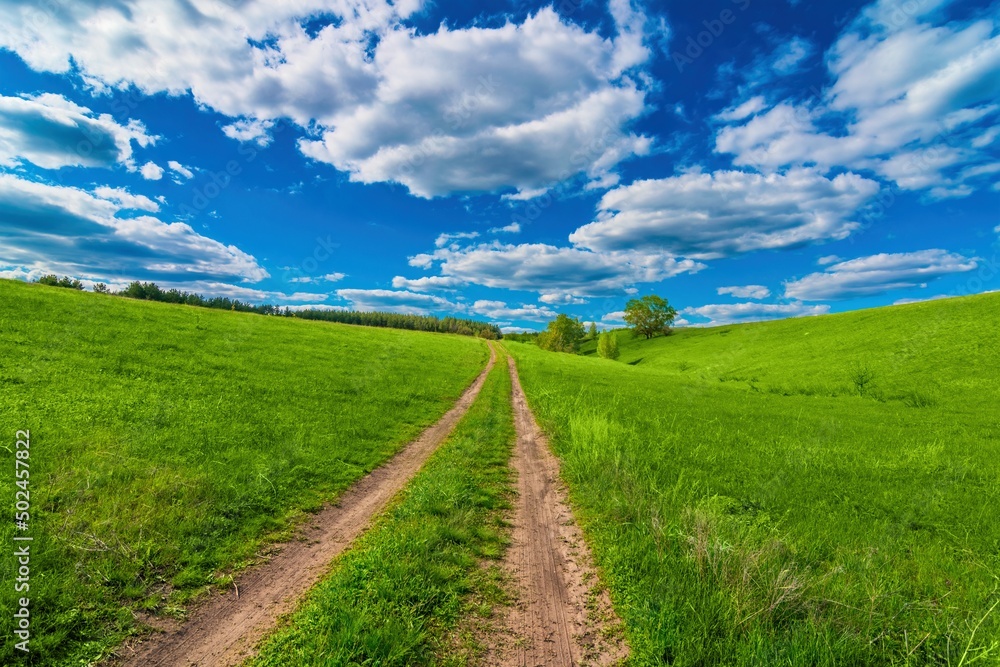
[397,321]
[526,337]
[153,292]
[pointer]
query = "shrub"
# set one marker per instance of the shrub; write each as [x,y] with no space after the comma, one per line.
[607,345]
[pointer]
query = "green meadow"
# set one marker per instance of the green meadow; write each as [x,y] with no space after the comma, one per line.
[820,491]
[170,444]
[400,594]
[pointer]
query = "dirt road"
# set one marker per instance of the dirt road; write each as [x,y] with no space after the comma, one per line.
[226,629]
[551,567]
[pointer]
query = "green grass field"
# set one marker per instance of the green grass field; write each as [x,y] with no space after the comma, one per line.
[396,597]
[170,443]
[818,491]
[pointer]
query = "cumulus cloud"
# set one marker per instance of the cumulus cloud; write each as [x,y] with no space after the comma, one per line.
[743,110]
[730,313]
[446,239]
[552,270]
[97,235]
[151,171]
[745,291]
[181,172]
[427,283]
[403,301]
[523,106]
[500,310]
[51,132]
[248,130]
[329,277]
[520,106]
[712,215]
[512,228]
[912,101]
[876,274]
[617,316]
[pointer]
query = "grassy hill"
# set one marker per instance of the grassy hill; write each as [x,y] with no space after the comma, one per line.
[170,443]
[818,491]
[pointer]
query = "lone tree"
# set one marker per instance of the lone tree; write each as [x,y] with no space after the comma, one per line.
[563,335]
[592,332]
[649,315]
[607,345]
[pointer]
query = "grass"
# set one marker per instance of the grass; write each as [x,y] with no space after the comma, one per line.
[818,491]
[170,444]
[396,596]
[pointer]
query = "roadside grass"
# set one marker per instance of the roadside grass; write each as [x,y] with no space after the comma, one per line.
[398,594]
[170,444]
[750,505]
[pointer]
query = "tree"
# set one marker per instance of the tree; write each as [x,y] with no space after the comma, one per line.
[563,335]
[100,288]
[607,345]
[592,333]
[649,315]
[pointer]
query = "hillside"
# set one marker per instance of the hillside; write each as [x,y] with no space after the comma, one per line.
[814,491]
[170,443]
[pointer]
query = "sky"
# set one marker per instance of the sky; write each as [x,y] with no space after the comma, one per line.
[507,160]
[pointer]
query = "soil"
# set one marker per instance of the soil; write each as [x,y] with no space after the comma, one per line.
[561,615]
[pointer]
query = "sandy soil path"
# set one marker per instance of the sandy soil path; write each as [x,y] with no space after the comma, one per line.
[551,566]
[226,628]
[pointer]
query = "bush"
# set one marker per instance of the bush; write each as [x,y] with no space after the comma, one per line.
[863,377]
[607,345]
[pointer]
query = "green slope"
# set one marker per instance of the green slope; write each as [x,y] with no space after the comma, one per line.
[750,506]
[170,443]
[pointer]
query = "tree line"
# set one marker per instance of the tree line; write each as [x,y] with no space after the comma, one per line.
[148,291]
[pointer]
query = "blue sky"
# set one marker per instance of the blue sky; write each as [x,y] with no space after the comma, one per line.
[506,160]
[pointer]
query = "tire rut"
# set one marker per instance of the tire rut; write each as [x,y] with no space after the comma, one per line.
[559,616]
[225,629]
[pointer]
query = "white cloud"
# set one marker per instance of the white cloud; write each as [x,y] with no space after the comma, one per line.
[519,106]
[617,316]
[52,132]
[406,302]
[827,259]
[741,111]
[427,283]
[330,278]
[517,330]
[551,270]
[124,199]
[909,101]
[746,291]
[80,233]
[249,130]
[523,106]
[730,313]
[561,299]
[180,170]
[500,310]
[151,171]
[711,215]
[902,302]
[876,274]
[512,228]
[445,239]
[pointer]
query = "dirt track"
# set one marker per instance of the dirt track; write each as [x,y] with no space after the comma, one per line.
[551,567]
[225,629]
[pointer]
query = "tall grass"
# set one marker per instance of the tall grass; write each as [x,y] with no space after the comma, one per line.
[750,506]
[170,443]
